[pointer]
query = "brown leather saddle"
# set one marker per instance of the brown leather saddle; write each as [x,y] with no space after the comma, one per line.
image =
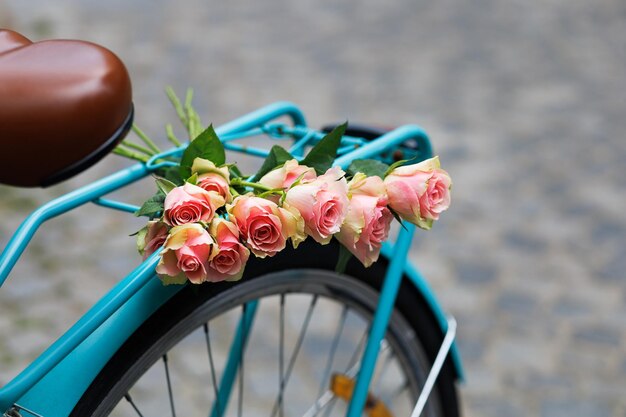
[64,105]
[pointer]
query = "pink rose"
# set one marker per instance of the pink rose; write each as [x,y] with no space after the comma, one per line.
[217,183]
[368,220]
[286,175]
[264,226]
[323,204]
[436,199]
[419,192]
[363,185]
[190,203]
[231,256]
[151,238]
[212,178]
[186,255]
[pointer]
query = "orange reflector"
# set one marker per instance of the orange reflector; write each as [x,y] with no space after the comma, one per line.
[343,386]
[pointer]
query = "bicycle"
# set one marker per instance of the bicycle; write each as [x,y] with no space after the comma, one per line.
[381,323]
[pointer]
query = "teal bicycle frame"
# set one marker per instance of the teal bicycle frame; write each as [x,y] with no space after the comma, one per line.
[53,384]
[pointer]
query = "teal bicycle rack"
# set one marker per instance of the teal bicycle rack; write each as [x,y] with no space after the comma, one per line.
[52,385]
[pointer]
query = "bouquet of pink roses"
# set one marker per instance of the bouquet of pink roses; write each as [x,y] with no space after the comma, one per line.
[208,217]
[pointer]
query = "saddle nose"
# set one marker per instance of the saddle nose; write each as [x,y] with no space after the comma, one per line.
[64,105]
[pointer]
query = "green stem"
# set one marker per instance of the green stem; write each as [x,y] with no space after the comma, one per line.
[177,106]
[129,154]
[170,135]
[237,181]
[188,97]
[145,139]
[191,126]
[270,192]
[194,124]
[234,192]
[136,147]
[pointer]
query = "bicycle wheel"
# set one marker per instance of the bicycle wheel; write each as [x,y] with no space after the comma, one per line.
[309,329]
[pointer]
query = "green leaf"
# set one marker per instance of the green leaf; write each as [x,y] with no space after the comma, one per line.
[298,180]
[141,239]
[165,185]
[322,156]
[397,217]
[369,167]
[193,179]
[397,164]
[207,146]
[425,224]
[171,174]
[153,206]
[238,190]
[179,279]
[342,261]
[277,156]
[235,171]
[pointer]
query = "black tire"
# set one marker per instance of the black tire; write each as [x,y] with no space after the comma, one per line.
[412,335]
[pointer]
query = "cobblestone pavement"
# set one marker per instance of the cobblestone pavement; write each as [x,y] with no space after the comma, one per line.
[525,102]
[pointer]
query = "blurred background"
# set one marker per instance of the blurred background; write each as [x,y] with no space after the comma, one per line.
[526,106]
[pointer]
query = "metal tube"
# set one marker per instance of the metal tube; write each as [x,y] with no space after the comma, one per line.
[249,150]
[29,226]
[297,148]
[387,141]
[262,116]
[386,302]
[437,365]
[317,136]
[116,205]
[81,330]
[252,132]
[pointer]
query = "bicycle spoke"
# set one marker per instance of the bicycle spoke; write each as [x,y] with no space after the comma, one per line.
[320,403]
[331,405]
[241,374]
[211,363]
[132,403]
[281,350]
[359,348]
[384,367]
[313,373]
[327,397]
[292,360]
[333,350]
[352,365]
[169,385]
[324,396]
